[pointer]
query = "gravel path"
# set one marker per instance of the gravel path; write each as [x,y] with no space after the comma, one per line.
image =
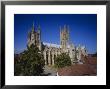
[49,71]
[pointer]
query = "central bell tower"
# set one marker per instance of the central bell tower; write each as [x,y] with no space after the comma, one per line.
[64,37]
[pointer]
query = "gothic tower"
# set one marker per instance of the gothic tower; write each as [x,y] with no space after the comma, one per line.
[34,37]
[31,36]
[64,37]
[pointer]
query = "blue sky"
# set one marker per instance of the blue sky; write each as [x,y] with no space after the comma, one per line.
[83,29]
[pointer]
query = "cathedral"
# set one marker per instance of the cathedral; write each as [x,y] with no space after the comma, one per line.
[51,51]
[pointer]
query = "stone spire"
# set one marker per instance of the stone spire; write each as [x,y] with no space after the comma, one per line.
[39,29]
[38,26]
[28,38]
[39,35]
[28,34]
[33,27]
[68,33]
[60,35]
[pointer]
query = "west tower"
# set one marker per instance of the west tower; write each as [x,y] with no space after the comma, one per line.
[34,37]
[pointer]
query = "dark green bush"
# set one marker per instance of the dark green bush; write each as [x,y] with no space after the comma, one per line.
[62,60]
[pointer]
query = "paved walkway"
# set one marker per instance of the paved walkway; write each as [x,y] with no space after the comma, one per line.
[49,71]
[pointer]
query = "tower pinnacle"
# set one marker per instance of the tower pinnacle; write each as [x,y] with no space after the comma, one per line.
[33,27]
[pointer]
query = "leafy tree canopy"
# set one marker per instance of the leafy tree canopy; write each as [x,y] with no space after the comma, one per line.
[30,62]
[62,60]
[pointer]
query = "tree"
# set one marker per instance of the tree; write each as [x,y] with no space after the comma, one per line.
[31,61]
[62,60]
[17,65]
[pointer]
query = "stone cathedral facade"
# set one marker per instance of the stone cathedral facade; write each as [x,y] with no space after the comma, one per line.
[51,51]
